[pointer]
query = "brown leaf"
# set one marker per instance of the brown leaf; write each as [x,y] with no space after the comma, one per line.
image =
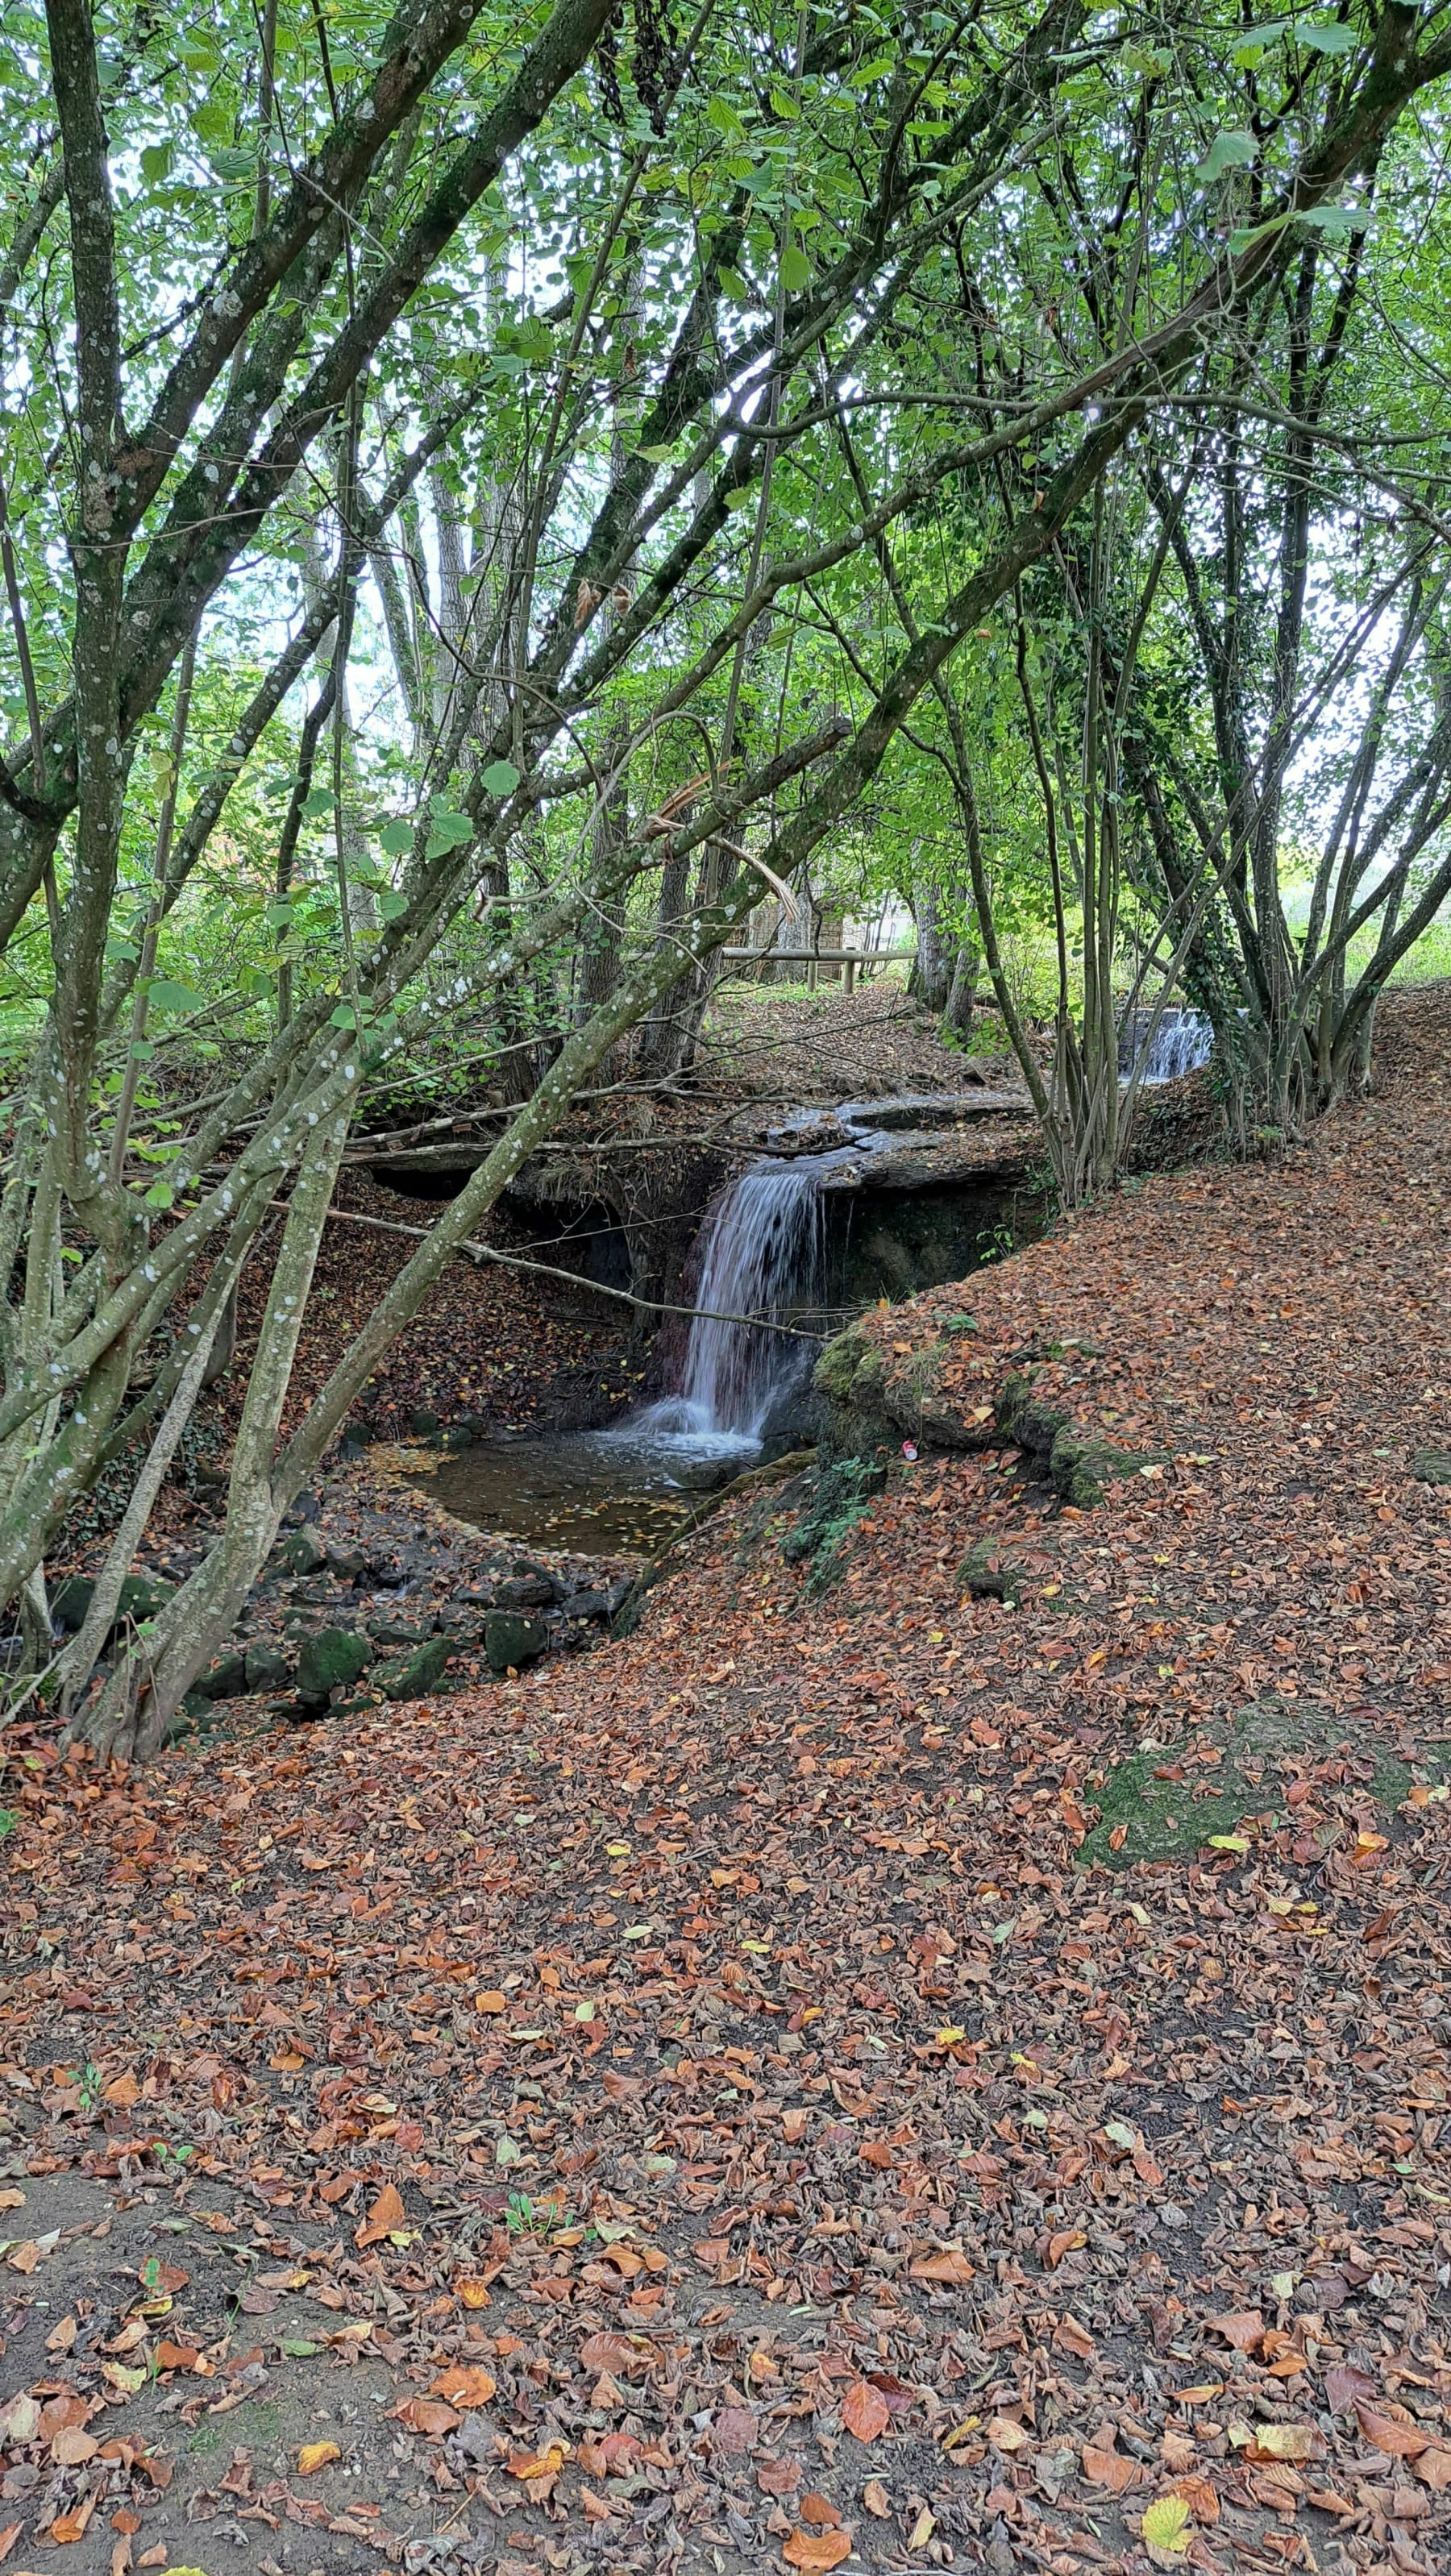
[1006,2434]
[71,2447]
[1199,2496]
[1434,2468]
[1397,2436]
[616,2353]
[733,2432]
[1070,2336]
[9,2537]
[778,2477]
[949,2265]
[864,2411]
[1106,2468]
[1244,2328]
[1344,2383]
[816,2549]
[428,2415]
[1067,2241]
[69,2527]
[877,2500]
[386,2213]
[820,2509]
[794,2125]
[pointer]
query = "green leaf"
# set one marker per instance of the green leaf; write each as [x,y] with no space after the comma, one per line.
[720,114]
[299,2347]
[317,804]
[1119,2134]
[156,161]
[880,67]
[1231,151]
[1229,1842]
[499,779]
[507,2151]
[396,838]
[658,455]
[166,996]
[795,269]
[343,1017]
[392,905]
[160,1194]
[1166,2525]
[1327,36]
[278,916]
[450,831]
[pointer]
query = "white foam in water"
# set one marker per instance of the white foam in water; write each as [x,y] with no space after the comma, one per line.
[763,1253]
[1181,1043]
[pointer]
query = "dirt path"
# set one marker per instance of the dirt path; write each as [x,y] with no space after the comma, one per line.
[859,2074]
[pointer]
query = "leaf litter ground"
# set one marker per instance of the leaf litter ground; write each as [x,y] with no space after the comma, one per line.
[858,2073]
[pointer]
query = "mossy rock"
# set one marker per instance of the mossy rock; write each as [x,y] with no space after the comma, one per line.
[413,1676]
[226,1680]
[1022,1416]
[987,1574]
[512,1639]
[331,1660]
[303,1552]
[1432,1466]
[1082,1467]
[265,1668]
[836,1368]
[141,1598]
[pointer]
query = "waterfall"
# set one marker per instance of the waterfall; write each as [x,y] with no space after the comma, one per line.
[1182,1042]
[762,1252]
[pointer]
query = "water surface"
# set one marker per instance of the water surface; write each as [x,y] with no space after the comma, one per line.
[595,1493]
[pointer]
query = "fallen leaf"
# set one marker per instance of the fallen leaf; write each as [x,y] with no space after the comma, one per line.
[473,2292]
[1199,2496]
[1289,2442]
[816,2549]
[428,2415]
[1244,2329]
[877,2500]
[922,2528]
[386,2214]
[465,2385]
[949,2265]
[71,2447]
[1007,2435]
[1109,2469]
[1167,2529]
[9,2537]
[820,2509]
[526,2465]
[1395,2435]
[316,2455]
[864,2412]
[492,2001]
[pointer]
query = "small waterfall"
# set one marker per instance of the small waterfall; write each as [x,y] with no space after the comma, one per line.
[1181,1043]
[762,1253]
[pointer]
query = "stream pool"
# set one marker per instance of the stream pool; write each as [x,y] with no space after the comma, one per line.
[597,1493]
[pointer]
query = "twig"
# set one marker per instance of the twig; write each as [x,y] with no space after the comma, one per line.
[549,1270]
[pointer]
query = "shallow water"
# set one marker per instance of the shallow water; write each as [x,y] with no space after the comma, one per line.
[600,1493]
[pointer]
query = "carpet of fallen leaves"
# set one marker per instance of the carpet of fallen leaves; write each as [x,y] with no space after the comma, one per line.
[705,2077]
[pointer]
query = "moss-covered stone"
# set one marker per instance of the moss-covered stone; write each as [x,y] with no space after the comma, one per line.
[512,1639]
[836,1368]
[265,1668]
[1432,1466]
[303,1552]
[141,1598]
[333,1659]
[411,1676]
[1082,1467]
[226,1680]
[988,1574]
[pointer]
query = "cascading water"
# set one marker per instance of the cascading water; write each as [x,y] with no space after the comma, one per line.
[1181,1043]
[762,1254]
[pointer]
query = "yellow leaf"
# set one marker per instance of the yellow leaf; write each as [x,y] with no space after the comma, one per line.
[1166,2525]
[950,2034]
[316,2455]
[923,2528]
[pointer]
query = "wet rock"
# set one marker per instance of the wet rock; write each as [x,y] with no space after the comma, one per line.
[413,1675]
[423,1425]
[346,1563]
[264,1668]
[526,1592]
[986,1574]
[304,1553]
[1432,1466]
[458,1436]
[510,1638]
[332,1659]
[585,1605]
[394,1631]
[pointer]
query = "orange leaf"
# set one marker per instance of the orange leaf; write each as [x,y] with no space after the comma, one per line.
[9,2537]
[386,2213]
[465,2385]
[1067,2241]
[819,2508]
[1434,2467]
[816,2549]
[71,2447]
[72,2526]
[176,2356]
[491,2002]
[474,2293]
[123,2090]
[864,2412]
[1109,2469]
[428,2415]
[1199,2496]
[538,2464]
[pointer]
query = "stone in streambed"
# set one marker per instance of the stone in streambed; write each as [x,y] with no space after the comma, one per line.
[226,1680]
[331,1660]
[304,1553]
[266,1669]
[141,1598]
[510,1638]
[412,1676]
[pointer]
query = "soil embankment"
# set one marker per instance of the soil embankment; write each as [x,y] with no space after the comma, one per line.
[862,2057]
